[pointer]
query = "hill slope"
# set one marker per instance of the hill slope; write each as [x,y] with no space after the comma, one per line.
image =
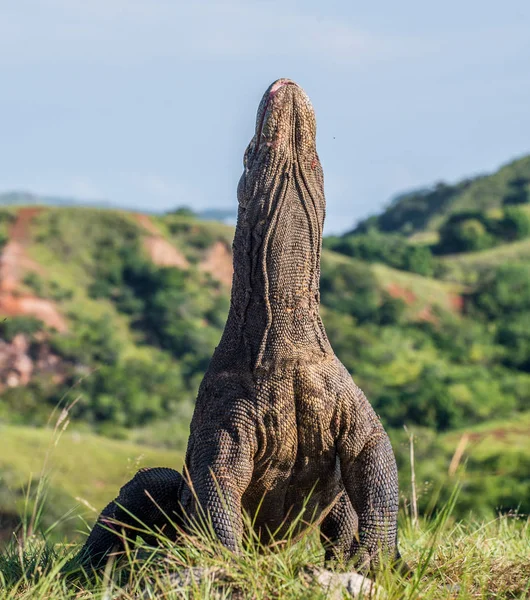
[80,472]
[121,312]
[123,295]
[428,209]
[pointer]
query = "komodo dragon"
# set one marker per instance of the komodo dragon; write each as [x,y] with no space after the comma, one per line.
[279,426]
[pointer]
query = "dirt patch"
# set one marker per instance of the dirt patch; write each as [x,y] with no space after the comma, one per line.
[164,254]
[14,261]
[457,302]
[218,262]
[397,291]
[426,314]
[498,434]
[44,310]
[19,231]
[145,222]
[161,252]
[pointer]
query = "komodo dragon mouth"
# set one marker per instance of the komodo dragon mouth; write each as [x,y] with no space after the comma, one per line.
[263,111]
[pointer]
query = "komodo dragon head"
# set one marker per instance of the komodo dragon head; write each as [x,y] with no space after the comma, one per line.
[283,147]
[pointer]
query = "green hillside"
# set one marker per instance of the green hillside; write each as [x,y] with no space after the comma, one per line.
[471,266]
[118,313]
[79,473]
[429,208]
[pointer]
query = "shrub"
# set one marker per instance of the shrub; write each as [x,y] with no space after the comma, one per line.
[465,232]
[503,291]
[515,224]
[12,326]
[351,289]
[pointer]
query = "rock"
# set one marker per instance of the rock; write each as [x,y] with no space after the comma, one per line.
[18,365]
[211,579]
[219,584]
[335,585]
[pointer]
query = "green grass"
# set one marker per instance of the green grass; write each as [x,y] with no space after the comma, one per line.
[427,291]
[425,238]
[448,560]
[82,468]
[490,460]
[466,268]
[495,437]
[458,559]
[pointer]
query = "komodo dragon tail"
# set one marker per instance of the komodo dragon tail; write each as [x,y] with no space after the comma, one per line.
[156,495]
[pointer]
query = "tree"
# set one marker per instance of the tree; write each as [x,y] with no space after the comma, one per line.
[515,224]
[503,291]
[518,192]
[465,232]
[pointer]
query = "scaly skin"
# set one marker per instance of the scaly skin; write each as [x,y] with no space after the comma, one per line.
[279,426]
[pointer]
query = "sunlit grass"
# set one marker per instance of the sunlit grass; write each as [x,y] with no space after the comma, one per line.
[468,266]
[448,558]
[85,466]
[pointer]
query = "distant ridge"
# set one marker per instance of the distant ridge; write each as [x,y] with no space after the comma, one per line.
[24,198]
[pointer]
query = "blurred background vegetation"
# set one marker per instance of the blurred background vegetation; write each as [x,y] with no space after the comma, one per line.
[426,304]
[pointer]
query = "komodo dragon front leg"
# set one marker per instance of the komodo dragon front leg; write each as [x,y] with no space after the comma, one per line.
[221,460]
[369,504]
[368,477]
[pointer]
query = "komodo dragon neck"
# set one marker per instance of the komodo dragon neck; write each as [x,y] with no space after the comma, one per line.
[274,314]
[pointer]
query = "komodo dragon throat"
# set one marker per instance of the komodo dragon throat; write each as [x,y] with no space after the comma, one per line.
[279,426]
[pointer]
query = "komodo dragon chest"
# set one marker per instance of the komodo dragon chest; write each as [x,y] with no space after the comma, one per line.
[295,417]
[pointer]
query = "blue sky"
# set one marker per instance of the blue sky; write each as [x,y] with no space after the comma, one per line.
[151,103]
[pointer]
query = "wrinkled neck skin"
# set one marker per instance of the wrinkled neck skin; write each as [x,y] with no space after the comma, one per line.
[274,314]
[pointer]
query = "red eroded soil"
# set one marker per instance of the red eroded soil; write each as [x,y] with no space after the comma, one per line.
[161,252]
[44,310]
[14,261]
[457,302]
[425,314]
[397,291]
[498,434]
[146,223]
[218,262]
[164,254]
